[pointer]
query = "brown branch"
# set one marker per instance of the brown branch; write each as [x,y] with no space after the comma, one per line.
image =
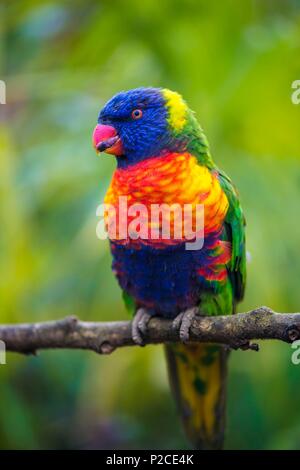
[236,331]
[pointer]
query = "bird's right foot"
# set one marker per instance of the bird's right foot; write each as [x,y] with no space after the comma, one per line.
[139,325]
[184,321]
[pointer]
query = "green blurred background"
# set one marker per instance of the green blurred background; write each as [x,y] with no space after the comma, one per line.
[234,62]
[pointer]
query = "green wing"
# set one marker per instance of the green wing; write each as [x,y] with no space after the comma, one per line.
[235,232]
[129,302]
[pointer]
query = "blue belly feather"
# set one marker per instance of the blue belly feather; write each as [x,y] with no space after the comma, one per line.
[164,280]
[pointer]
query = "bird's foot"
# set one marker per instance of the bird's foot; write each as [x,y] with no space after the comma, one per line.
[139,325]
[184,321]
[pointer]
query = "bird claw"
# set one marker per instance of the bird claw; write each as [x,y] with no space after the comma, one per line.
[139,325]
[183,322]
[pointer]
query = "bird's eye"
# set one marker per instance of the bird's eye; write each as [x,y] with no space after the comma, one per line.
[137,114]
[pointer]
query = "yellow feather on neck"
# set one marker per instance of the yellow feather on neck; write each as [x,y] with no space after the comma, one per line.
[177,109]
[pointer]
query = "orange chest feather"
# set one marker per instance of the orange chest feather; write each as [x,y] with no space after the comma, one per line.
[171,179]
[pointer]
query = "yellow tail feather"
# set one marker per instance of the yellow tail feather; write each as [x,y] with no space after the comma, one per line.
[197,375]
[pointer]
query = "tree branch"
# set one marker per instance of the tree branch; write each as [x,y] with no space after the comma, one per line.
[236,331]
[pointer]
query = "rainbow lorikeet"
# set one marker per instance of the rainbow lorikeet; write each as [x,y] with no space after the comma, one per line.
[163,158]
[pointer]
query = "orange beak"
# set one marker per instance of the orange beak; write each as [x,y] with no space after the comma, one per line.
[106,139]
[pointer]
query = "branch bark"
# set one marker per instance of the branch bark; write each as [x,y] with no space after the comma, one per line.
[236,331]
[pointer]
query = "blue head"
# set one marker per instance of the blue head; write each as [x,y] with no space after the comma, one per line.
[142,123]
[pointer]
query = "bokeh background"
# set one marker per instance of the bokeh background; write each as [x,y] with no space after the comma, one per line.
[234,62]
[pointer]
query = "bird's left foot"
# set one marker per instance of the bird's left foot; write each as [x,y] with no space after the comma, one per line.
[139,325]
[184,321]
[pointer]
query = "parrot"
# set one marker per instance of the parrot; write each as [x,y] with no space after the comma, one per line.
[163,158]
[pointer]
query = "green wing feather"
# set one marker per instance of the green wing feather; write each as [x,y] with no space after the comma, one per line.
[235,230]
[129,302]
